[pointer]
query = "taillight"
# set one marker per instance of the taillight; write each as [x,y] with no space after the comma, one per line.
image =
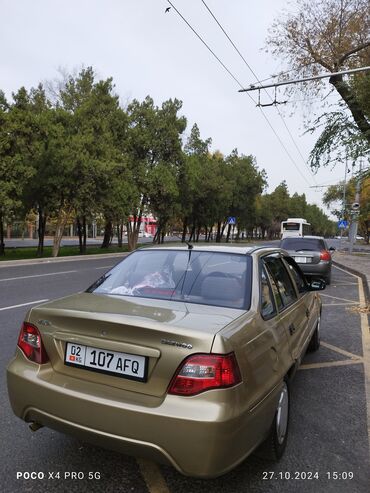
[202,372]
[325,255]
[30,342]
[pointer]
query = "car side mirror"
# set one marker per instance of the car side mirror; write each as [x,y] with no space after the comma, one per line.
[317,285]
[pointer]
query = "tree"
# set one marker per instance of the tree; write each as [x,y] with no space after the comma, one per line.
[22,147]
[334,194]
[153,141]
[94,156]
[247,184]
[331,35]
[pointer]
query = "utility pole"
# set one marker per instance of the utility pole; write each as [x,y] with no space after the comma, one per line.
[355,212]
[344,201]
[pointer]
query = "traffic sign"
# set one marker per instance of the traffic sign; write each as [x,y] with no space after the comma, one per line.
[342,224]
[231,220]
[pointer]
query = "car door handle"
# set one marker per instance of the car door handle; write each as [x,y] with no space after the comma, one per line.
[307,313]
[291,329]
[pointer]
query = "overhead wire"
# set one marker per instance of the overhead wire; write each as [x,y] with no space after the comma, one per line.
[242,87]
[259,81]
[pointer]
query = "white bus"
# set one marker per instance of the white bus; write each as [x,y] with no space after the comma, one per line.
[295,226]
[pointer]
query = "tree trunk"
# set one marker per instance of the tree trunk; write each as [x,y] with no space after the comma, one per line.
[184,229]
[107,234]
[218,235]
[79,232]
[228,233]
[192,233]
[198,233]
[120,234]
[354,107]
[63,217]
[222,230]
[2,245]
[41,232]
[84,234]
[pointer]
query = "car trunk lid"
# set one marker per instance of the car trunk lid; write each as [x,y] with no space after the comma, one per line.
[159,333]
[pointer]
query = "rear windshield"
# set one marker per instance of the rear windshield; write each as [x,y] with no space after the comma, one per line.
[209,278]
[298,244]
[291,226]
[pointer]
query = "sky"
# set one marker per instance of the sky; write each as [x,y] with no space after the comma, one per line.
[150,52]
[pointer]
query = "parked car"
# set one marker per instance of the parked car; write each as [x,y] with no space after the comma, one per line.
[312,254]
[181,355]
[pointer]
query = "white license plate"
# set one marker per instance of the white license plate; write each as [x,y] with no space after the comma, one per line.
[303,260]
[131,366]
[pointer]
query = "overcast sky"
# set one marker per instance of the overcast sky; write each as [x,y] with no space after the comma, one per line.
[148,51]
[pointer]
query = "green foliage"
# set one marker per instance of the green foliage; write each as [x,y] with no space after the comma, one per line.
[84,158]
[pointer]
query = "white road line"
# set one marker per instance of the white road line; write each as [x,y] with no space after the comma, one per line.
[341,304]
[340,350]
[104,267]
[366,350]
[337,298]
[39,275]
[22,304]
[365,345]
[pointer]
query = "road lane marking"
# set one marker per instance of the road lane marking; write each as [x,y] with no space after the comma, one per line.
[366,349]
[341,304]
[364,321]
[340,350]
[39,275]
[337,298]
[22,304]
[152,477]
[105,267]
[328,364]
[335,284]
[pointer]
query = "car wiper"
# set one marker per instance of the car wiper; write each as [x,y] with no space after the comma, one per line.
[97,283]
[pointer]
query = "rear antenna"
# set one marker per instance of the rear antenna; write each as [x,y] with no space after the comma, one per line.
[190,246]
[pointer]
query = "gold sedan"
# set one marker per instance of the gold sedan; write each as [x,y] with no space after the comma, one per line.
[181,355]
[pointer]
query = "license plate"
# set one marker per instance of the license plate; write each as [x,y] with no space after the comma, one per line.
[303,260]
[131,366]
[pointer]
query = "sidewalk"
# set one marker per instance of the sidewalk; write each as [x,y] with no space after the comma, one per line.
[359,264]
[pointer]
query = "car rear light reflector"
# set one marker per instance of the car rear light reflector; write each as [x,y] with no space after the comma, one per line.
[202,372]
[30,342]
[325,255]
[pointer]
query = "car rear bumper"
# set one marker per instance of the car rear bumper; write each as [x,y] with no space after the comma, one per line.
[321,269]
[203,436]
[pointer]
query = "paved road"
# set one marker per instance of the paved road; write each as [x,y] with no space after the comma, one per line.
[328,431]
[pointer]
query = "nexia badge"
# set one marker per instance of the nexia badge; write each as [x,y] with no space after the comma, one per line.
[183,345]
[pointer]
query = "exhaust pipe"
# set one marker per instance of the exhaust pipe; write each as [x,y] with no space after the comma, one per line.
[35,426]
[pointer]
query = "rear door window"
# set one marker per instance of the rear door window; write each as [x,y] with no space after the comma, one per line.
[268,308]
[281,280]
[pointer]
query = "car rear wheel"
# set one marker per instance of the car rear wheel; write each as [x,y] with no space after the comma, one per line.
[273,447]
[315,339]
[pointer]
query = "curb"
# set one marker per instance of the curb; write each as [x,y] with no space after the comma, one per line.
[72,258]
[359,274]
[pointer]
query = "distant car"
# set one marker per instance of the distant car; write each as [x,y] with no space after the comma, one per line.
[144,234]
[358,237]
[180,355]
[311,254]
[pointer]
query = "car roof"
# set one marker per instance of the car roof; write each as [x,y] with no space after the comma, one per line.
[305,237]
[218,248]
